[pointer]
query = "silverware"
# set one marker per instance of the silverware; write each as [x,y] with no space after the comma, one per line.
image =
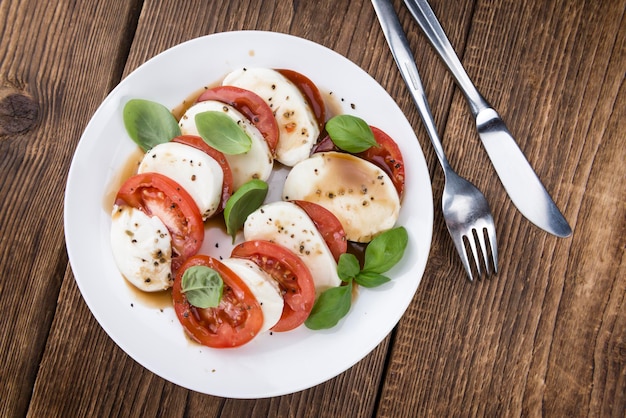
[517,176]
[465,208]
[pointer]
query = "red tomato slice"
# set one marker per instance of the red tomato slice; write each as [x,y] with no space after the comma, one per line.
[158,195]
[198,142]
[292,275]
[387,156]
[311,92]
[250,105]
[235,321]
[328,225]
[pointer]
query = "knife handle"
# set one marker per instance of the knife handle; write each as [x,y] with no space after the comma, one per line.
[426,19]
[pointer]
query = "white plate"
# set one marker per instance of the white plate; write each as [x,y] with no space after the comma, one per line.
[270,365]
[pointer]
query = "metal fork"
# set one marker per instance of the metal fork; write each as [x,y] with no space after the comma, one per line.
[465,208]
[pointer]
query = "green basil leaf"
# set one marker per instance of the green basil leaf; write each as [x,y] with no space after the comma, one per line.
[332,305]
[222,133]
[384,251]
[370,279]
[348,267]
[149,123]
[248,198]
[350,133]
[202,286]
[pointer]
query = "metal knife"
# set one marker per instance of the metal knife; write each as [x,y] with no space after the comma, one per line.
[517,176]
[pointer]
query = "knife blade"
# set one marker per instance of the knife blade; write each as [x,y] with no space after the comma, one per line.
[520,181]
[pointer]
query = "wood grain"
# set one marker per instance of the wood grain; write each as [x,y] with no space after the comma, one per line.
[545,337]
[46,67]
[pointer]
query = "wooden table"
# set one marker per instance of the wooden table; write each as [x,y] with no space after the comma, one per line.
[546,336]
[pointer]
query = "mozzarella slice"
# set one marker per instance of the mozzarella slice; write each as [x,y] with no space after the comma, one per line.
[360,194]
[287,224]
[142,248]
[263,287]
[257,163]
[197,172]
[297,124]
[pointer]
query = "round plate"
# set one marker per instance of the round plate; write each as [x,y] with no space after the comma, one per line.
[273,363]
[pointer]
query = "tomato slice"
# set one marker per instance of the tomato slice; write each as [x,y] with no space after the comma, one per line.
[310,91]
[328,225]
[291,274]
[158,195]
[234,322]
[250,105]
[198,142]
[387,156]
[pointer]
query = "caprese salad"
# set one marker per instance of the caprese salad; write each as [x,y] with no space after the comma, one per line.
[295,262]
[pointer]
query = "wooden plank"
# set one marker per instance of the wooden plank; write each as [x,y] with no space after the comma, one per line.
[46,97]
[524,343]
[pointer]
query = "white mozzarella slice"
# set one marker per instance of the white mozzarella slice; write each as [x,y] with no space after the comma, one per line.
[357,192]
[197,172]
[263,287]
[287,224]
[297,124]
[142,248]
[257,163]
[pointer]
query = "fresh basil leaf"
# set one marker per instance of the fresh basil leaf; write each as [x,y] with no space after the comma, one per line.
[332,305]
[348,267]
[370,279]
[222,133]
[242,203]
[384,251]
[202,286]
[149,123]
[350,133]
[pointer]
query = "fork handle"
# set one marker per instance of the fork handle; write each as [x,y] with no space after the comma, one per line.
[401,51]
[426,19]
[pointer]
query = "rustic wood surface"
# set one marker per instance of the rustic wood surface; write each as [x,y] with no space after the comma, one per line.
[545,337]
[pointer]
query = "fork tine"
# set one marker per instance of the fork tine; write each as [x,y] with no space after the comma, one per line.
[460,248]
[491,232]
[472,243]
[480,236]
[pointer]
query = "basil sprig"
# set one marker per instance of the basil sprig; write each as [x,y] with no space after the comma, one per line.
[242,203]
[350,133]
[222,133]
[381,254]
[149,123]
[202,286]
